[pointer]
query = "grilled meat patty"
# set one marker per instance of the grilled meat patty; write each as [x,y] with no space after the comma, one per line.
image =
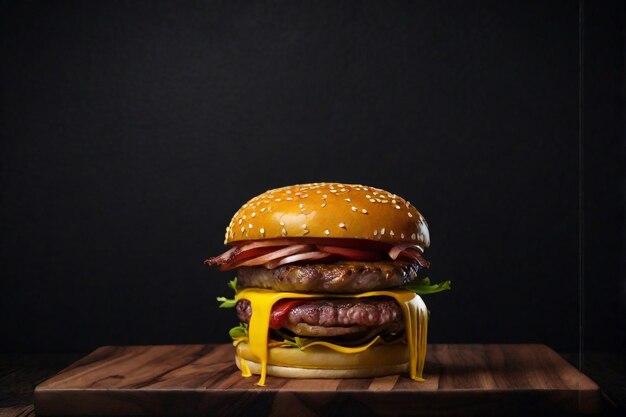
[336,312]
[343,277]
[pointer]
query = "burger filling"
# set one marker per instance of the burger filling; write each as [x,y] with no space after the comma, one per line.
[323,266]
[273,253]
[331,317]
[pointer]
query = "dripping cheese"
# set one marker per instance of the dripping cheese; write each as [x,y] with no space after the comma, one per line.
[262,301]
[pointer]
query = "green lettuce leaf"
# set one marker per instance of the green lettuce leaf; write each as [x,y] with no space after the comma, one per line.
[424,286]
[229,302]
[239,331]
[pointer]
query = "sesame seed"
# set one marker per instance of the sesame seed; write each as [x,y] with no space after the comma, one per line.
[323,204]
[244,217]
[304,225]
[385,201]
[240,221]
[409,213]
[372,200]
[263,209]
[289,198]
[391,233]
[304,196]
[382,231]
[282,223]
[277,200]
[324,196]
[326,232]
[318,192]
[306,232]
[332,190]
[243,229]
[368,196]
[402,235]
[288,191]
[347,199]
[262,230]
[253,214]
[375,232]
[301,205]
[413,236]
[249,225]
[363,211]
[298,193]
[342,225]
[393,201]
[354,208]
[397,207]
[284,232]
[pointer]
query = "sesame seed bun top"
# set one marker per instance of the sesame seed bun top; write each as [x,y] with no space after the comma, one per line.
[329,210]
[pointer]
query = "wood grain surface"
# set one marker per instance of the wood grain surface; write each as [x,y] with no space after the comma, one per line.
[203,380]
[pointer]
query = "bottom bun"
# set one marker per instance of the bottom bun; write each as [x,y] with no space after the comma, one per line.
[322,362]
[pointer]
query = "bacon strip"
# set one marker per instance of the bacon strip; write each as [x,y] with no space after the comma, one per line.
[398,249]
[224,257]
[411,251]
[350,253]
[244,256]
[416,255]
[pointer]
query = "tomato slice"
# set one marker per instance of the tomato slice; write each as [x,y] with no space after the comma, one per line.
[280,310]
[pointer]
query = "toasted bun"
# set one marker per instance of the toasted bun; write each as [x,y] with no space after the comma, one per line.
[320,362]
[329,210]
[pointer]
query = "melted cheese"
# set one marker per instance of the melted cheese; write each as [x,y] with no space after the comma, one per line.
[245,371]
[261,300]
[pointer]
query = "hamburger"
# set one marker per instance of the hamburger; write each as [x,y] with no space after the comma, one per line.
[327,283]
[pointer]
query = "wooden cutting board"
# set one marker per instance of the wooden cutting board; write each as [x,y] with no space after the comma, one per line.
[203,380]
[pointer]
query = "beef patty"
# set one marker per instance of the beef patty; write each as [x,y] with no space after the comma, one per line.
[339,277]
[338,316]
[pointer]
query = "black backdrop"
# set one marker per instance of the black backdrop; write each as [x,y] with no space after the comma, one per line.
[132,131]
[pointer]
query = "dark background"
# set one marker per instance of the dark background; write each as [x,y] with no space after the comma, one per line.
[132,131]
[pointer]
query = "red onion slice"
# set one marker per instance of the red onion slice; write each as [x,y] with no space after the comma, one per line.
[289,250]
[231,253]
[269,242]
[305,256]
